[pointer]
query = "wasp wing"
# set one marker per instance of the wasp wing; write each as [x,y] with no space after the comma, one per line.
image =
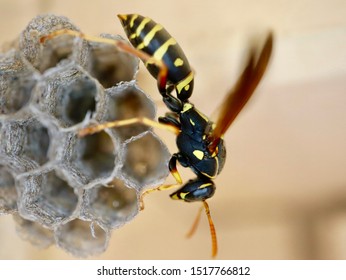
[242,91]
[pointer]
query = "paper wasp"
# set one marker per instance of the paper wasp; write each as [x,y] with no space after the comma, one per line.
[199,140]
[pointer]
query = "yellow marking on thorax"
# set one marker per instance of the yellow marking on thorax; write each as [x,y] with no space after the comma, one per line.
[178,62]
[186,107]
[192,122]
[198,154]
[160,52]
[147,39]
[132,21]
[185,82]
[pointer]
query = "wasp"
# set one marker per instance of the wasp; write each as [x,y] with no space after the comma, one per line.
[199,140]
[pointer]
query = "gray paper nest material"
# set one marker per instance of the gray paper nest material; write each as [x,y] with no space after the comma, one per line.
[59,187]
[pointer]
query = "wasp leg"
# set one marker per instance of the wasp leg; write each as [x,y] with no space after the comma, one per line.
[174,171]
[173,168]
[174,104]
[119,123]
[172,115]
[160,188]
[170,120]
[146,58]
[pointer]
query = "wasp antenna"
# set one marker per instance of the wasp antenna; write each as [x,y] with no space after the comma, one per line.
[212,230]
[195,223]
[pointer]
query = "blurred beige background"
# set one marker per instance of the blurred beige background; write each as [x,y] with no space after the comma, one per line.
[282,194]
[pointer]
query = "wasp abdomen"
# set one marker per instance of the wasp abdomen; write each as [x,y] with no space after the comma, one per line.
[150,37]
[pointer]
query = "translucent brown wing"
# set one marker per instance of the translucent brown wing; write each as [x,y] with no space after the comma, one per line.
[242,91]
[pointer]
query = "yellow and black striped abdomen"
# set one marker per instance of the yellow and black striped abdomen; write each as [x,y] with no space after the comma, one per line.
[153,39]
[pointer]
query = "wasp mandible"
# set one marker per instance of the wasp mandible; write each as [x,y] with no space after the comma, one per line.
[199,140]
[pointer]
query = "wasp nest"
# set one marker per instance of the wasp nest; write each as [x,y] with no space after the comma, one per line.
[62,188]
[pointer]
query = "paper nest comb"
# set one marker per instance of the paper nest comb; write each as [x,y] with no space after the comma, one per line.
[59,187]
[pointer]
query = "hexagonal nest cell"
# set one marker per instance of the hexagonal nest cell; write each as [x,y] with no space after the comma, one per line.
[67,93]
[61,188]
[125,102]
[24,142]
[45,198]
[109,65]
[82,238]
[111,205]
[89,159]
[8,192]
[17,80]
